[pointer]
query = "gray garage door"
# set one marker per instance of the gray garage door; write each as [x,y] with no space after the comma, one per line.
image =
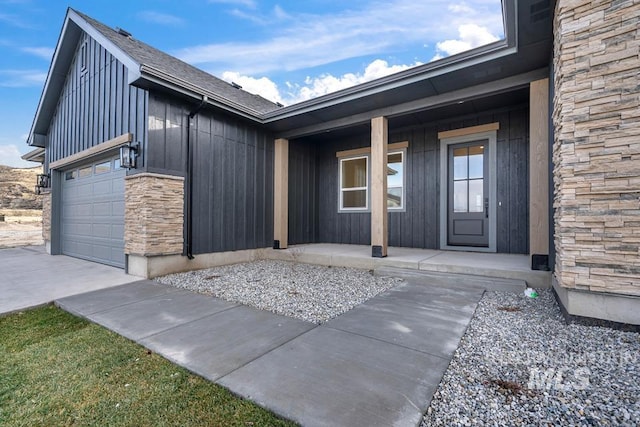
[93,212]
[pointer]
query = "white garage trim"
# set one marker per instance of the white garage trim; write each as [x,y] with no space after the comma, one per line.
[92,152]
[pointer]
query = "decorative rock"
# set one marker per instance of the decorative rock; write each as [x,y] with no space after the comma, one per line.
[308,292]
[528,367]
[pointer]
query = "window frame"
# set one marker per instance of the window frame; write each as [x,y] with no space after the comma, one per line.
[341,190]
[367,157]
[403,154]
[84,56]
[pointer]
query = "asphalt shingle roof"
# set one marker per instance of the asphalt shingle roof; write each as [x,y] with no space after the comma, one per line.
[147,55]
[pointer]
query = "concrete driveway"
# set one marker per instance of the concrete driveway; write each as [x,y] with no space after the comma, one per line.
[29,277]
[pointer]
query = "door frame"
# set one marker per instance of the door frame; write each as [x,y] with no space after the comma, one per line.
[491,136]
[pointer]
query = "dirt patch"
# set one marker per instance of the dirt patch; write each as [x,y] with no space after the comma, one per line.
[17,188]
[17,231]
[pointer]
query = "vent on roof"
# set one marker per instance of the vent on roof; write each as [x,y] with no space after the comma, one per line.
[236,85]
[540,11]
[279,104]
[123,32]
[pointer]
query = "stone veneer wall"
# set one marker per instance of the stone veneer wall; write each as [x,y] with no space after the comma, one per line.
[596,151]
[154,214]
[46,216]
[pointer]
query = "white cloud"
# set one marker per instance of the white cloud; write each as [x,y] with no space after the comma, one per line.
[161,18]
[469,36]
[40,51]
[22,78]
[312,87]
[260,86]
[10,156]
[326,83]
[303,40]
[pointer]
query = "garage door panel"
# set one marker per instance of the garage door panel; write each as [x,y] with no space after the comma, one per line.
[118,185]
[102,209]
[117,230]
[102,188]
[102,230]
[118,208]
[101,252]
[83,190]
[93,215]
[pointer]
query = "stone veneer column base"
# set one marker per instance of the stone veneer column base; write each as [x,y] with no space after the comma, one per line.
[154,215]
[596,157]
[605,306]
[46,220]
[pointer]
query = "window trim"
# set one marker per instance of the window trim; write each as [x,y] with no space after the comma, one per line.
[341,190]
[403,153]
[84,56]
[361,154]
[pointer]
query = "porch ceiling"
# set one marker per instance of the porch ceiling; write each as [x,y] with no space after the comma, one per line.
[468,108]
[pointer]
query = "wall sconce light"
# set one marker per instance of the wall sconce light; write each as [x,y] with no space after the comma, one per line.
[128,155]
[42,181]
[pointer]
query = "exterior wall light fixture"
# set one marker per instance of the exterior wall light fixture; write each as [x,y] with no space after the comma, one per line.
[128,155]
[42,181]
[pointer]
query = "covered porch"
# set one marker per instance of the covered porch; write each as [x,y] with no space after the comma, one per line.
[491,265]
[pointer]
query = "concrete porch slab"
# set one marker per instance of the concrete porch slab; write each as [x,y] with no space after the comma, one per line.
[506,266]
[328,377]
[216,345]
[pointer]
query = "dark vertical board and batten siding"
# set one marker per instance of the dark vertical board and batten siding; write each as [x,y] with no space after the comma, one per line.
[232,173]
[303,204]
[91,107]
[418,225]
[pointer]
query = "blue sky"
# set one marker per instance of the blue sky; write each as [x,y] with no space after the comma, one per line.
[287,51]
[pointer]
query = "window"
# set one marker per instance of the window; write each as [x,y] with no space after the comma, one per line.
[68,176]
[354,183]
[395,180]
[103,167]
[468,179]
[84,172]
[83,57]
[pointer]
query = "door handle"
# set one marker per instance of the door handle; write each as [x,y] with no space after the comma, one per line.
[486,207]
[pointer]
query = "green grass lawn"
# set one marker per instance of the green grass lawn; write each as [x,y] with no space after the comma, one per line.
[57,369]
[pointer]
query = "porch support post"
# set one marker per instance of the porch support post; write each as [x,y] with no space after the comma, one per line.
[281,194]
[539,174]
[379,148]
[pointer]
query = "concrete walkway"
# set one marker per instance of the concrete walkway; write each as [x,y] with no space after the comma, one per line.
[376,365]
[29,277]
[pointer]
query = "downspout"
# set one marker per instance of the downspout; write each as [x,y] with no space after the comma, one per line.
[188,248]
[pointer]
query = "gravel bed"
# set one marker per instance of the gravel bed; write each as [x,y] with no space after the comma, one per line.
[308,292]
[520,364]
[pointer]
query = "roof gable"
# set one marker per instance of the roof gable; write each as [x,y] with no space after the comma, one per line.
[145,65]
[153,64]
